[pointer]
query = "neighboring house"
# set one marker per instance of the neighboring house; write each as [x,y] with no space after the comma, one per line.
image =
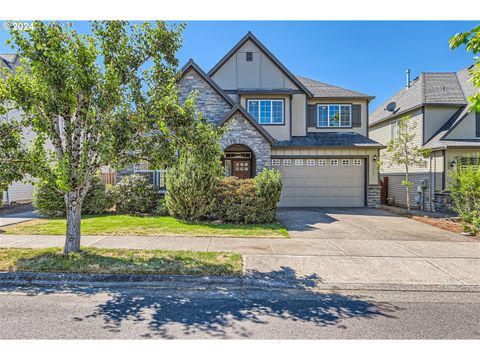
[437,101]
[316,134]
[17,191]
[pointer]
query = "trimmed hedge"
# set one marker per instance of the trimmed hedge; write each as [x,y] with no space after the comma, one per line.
[250,201]
[135,194]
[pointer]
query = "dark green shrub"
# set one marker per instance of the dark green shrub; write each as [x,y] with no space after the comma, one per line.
[161,209]
[269,187]
[135,194]
[465,192]
[110,196]
[50,202]
[191,188]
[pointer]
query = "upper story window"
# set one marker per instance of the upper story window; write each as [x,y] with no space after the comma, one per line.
[334,115]
[266,111]
[394,125]
[249,56]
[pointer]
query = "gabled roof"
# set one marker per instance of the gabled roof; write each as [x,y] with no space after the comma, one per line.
[252,38]
[324,90]
[9,61]
[330,139]
[430,88]
[192,64]
[239,108]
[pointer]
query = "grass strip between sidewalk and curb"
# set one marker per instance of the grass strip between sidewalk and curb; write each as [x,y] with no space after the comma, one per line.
[145,225]
[121,261]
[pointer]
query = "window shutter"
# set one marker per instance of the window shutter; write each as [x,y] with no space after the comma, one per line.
[312,115]
[477,128]
[356,115]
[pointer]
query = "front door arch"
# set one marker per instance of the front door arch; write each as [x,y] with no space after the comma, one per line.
[238,160]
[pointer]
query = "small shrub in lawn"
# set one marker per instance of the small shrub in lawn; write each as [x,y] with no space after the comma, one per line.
[191,187]
[269,187]
[135,194]
[50,202]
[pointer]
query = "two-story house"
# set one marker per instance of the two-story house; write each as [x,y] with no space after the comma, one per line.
[438,103]
[314,133]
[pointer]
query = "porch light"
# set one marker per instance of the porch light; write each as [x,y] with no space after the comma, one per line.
[375,158]
[453,163]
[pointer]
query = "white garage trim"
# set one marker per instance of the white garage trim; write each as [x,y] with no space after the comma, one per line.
[312,190]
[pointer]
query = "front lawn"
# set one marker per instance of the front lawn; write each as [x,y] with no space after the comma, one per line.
[144,225]
[120,261]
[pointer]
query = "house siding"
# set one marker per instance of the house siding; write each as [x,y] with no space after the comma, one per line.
[466,130]
[435,117]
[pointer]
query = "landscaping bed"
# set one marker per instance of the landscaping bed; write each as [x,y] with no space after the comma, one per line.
[121,261]
[441,223]
[145,225]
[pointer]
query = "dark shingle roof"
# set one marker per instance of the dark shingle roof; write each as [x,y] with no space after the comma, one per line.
[428,88]
[9,61]
[323,90]
[329,139]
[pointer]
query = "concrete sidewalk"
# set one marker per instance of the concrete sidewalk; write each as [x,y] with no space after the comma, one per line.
[16,218]
[353,262]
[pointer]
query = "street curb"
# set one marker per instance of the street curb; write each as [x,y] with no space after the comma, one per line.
[191,282]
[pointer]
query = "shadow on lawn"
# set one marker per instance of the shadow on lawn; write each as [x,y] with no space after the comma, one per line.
[221,313]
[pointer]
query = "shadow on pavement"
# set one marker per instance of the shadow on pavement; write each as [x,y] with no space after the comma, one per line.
[218,312]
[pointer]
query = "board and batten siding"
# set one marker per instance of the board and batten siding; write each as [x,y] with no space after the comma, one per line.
[362,129]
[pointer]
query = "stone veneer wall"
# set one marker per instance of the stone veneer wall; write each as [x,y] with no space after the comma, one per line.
[208,101]
[241,131]
[443,203]
[373,196]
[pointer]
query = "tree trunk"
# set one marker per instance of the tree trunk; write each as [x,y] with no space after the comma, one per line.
[407,187]
[74,213]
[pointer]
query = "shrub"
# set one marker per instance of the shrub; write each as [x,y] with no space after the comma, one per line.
[50,202]
[110,196]
[269,187]
[191,188]
[465,191]
[250,201]
[161,209]
[135,194]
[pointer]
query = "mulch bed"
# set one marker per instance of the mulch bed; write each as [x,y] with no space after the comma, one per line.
[15,208]
[445,224]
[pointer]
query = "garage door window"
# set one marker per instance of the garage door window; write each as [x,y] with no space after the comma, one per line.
[287,162]
[345,162]
[310,162]
[357,162]
[334,162]
[322,162]
[298,162]
[275,162]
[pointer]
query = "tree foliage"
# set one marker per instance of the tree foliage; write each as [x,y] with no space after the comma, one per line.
[471,40]
[107,98]
[402,150]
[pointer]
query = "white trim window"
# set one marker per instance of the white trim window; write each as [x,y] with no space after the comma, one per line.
[394,125]
[275,162]
[322,162]
[357,162]
[311,162]
[334,115]
[287,162]
[298,162]
[266,112]
[345,162]
[334,162]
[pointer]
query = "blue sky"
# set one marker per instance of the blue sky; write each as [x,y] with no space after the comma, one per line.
[367,56]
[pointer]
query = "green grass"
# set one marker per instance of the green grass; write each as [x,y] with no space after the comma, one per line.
[120,261]
[144,225]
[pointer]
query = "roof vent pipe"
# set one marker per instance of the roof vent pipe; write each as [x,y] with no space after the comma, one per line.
[408,78]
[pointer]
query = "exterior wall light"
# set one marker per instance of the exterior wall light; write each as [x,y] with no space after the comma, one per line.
[453,163]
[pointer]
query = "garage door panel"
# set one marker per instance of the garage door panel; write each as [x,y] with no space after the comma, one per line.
[322,186]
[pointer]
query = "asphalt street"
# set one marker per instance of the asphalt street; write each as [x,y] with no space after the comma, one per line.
[135,313]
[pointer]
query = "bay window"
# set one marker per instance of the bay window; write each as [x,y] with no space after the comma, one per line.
[266,111]
[334,115]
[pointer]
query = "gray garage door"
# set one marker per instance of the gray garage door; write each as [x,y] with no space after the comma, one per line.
[321,182]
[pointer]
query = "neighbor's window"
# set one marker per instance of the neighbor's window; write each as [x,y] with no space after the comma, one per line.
[334,115]
[394,128]
[266,111]
[249,56]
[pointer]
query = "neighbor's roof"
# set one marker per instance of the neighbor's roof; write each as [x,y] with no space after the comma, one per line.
[323,90]
[429,88]
[9,61]
[329,139]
